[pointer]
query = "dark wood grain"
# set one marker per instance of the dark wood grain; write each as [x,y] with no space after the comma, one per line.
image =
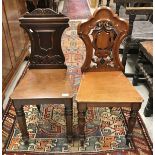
[46,81]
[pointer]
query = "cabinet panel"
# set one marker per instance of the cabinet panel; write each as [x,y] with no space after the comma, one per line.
[14,39]
[6,59]
[13,12]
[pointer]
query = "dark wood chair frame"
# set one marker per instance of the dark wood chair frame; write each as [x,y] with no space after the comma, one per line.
[109,24]
[130,42]
[45,26]
[145,59]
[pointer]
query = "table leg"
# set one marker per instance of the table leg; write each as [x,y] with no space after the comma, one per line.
[22,122]
[81,122]
[132,121]
[69,119]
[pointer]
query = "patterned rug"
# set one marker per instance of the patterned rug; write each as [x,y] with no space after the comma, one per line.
[72,9]
[105,130]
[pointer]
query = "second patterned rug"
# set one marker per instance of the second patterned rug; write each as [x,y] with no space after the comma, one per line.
[76,9]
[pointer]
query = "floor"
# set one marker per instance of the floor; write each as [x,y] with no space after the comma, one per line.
[141,88]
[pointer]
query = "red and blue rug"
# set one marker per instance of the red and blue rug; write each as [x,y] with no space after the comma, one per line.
[105,129]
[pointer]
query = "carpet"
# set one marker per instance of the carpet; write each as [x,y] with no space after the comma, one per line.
[105,130]
[72,9]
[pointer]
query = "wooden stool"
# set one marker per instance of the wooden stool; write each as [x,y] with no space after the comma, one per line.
[46,81]
[103,84]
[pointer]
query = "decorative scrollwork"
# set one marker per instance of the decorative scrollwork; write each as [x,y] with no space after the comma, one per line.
[55,59]
[104,36]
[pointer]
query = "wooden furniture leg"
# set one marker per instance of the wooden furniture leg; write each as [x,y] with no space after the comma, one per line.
[81,121]
[148,111]
[131,122]
[127,47]
[22,122]
[108,3]
[136,75]
[118,5]
[38,107]
[69,119]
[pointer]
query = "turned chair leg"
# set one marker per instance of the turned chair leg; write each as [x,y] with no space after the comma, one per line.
[135,77]
[124,58]
[148,111]
[22,122]
[118,5]
[81,122]
[131,122]
[69,119]
[38,107]
[108,3]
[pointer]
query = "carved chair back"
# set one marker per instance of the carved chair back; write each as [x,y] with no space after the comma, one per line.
[45,28]
[102,35]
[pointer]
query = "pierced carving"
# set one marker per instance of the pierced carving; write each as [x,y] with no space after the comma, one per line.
[104,36]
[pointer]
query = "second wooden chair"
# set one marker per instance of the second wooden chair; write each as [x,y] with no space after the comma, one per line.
[103,84]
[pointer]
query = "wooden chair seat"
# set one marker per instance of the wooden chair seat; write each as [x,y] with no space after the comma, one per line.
[108,88]
[43,84]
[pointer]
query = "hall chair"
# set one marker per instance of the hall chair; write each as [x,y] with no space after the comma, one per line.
[103,83]
[46,80]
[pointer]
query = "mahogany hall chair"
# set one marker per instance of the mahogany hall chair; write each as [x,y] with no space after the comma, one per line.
[103,83]
[46,81]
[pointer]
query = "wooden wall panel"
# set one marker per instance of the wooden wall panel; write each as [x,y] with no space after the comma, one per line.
[13,12]
[15,40]
[6,59]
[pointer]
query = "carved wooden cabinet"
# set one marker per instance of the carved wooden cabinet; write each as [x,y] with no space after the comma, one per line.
[14,40]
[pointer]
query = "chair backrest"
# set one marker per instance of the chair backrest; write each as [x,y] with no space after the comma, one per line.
[45,28]
[102,35]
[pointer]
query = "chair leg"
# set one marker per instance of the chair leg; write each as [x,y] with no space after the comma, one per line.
[81,122]
[124,58]
[135,77]
[38,107]
[131,122]
[148,111]
[118,5]
[22,122]
[69,119]
[108,3]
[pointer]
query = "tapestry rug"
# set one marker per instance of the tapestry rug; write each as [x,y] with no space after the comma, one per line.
[105,132]
[76,9]
[105,129]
